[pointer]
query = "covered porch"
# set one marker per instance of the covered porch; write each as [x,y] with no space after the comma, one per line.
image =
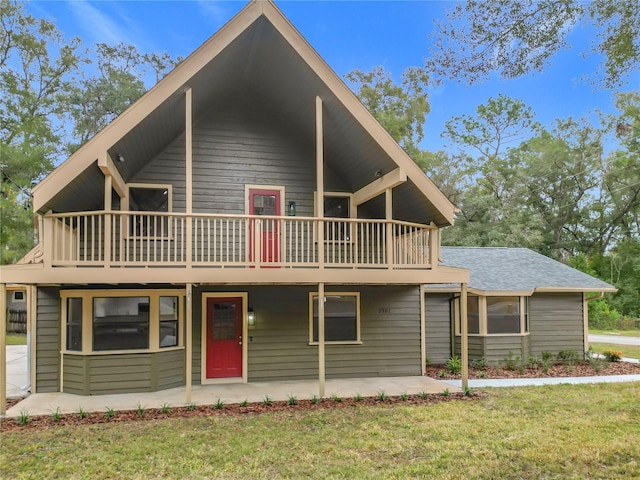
[45,403]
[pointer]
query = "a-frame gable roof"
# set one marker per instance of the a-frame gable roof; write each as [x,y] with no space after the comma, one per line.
[167,97]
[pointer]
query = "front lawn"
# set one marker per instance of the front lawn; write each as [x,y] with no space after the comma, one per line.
[628,351]
[16,338]
[579,431]
[624,333]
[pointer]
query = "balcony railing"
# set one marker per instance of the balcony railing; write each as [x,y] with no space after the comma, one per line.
[125,239]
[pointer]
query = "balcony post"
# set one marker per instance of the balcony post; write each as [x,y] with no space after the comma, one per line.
[188,323]
[321,358]
[189,174]
[389,233]
[3,350]
[434,245]
[106,245]
[320,181]
[48,240]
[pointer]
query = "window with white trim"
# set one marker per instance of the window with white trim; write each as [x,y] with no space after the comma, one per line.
[103,321]
[337,205]
[341,317]
[494,315]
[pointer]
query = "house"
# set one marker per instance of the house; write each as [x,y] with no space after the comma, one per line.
[190,241]
[519,301]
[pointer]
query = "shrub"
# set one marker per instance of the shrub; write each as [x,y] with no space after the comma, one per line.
[404,396]
[267,402]
[244,403]
[454,364]
[445,392]
[382,396]
[82,413]
[23,417]
[442,374]
[612,355]
[510,361]
[480,364]
[423,395]
[110,413]
[358,397]
[191,406]
[219,405]
[56,415]
[141,410]
[567,356]
[315,399]
[165,408]
[336,398]
[533,362]
[292,400]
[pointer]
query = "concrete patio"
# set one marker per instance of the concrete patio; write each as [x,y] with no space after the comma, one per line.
[46,403]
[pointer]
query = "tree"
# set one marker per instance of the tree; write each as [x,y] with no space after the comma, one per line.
[514,37]
[36,66]
[401,109]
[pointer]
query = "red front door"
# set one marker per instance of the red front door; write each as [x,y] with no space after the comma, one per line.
[264,233]
[224,337]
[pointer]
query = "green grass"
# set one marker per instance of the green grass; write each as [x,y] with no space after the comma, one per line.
[628,351]
[16,338]
[561,431]
[624,333]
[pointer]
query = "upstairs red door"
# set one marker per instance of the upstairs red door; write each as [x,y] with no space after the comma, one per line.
[264,202]
[224,337]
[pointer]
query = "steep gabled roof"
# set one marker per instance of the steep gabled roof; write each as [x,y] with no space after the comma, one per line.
[517,270]
[239,47]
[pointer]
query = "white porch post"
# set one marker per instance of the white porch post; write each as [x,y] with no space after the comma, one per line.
[321,363]
[388,197]
[189,173]
[464,336]
[423,332]
[108,187]
[3,349]
[188,342]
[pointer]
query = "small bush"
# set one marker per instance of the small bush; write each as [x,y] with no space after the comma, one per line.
[511,362]
[570,357]
[110,413]
[191,406]
[596,363]
[56,415]
[244,403]
[404,396]
[547,356]
[423,395]
[454,364]
[315,400]
[533,362]
[612,355]
[292,400]
[336,398]
[219,405]
[445,392]
[382,396]
[82,413]
[479,364]
[357,397]
[467,392]
[165,408]
[442,374]
[267,401]
[140,410]
[482,375]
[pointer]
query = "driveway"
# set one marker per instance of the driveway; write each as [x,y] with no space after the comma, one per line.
[17,375]
[616,339]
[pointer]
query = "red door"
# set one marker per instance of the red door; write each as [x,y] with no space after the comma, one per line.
[224,337]
[264,233]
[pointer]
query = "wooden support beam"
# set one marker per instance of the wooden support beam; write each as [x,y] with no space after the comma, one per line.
[188,342]
[108,167]
[32,309]
[423,332]
[379,186]
[320,179]
[388,199]
[464,336]
[189,172]
[108,186]
[321,357]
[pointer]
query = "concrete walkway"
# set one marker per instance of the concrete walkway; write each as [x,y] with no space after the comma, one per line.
[615,339]
[17,375]
[46,403]
[525,382]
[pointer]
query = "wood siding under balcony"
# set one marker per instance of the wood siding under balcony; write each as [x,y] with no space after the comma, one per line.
[134,239]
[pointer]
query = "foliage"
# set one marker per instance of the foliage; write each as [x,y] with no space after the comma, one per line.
[82,412]
[480,363]
[110,412]
[23,417]
[382,396]
[56,414]
[219,405]
[336,398]
[511,362]
[165,408]
[267,401]
[612,355]
[568,356]
[400,109]
[516,37]
[292,400]
[454,364]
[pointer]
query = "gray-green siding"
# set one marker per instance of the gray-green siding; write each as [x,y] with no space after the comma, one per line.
[48,339]
[556,323]
[279,347]
[438,327]
[123,373]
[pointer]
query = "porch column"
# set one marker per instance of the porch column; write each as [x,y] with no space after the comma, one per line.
[189,173]
[321,363]
[423,332]
[31,335]
[320,182]
[108,186]
[3,348]
[464,337]
[188,321]
[388,197]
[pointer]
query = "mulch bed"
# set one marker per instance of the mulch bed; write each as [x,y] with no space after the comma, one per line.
[73,419]
[581,369]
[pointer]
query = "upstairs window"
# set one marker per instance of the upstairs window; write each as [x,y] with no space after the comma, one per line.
[337,206]
[149,198]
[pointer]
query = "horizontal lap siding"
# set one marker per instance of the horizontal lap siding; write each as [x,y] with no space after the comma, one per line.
[123,373]
[438,327]
[48,339]
[477,348]
[498,348]
[556,323]
[279,347]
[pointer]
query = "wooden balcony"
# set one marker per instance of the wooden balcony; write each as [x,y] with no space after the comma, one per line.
[131,239]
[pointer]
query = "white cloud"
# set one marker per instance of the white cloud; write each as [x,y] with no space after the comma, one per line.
[99,26]
[215,11]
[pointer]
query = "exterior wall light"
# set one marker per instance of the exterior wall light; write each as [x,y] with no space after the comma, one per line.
[251,317]
[292,209]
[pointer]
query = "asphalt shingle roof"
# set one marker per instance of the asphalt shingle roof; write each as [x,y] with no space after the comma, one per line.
[517,269]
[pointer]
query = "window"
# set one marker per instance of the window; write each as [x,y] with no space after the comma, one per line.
[168,322]
[104,321]
[337,206]
[120,323]
[341,317]
[18,296]
[503,315]
[74,324]
[473,315]
[149,199]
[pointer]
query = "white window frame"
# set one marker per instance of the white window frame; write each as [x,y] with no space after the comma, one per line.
[358,340]
[482,305]
[154,319]
[19,300]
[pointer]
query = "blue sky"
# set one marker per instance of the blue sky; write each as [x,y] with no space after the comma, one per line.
[348,35]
